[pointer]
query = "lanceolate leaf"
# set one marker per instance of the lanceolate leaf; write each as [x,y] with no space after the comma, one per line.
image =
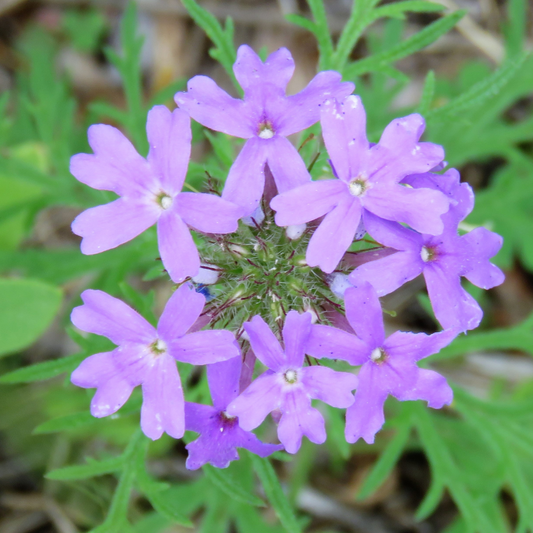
[92,469]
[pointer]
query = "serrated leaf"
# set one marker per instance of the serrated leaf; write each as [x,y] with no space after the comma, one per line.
[230,486]
[275,494]
[92,469]
[28,308]
[411,45]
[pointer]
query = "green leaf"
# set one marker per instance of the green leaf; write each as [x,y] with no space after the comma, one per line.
[224,50]
[427,93]
[275,494]
[91,469]
[28,308]
[398,9]
[163,503]
[43,371]
[515,27]
[65,423]
[411,45]
[229,485]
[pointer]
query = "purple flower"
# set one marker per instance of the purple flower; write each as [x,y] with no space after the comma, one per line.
[147,356]
[150,192]
[265,118]
[388,365]
[369,182]
[442,259]
[288,386]
[220,433]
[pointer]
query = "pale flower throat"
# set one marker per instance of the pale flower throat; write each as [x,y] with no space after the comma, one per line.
[358,186]
[266,131]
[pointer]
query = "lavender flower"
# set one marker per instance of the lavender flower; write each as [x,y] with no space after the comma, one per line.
[265,118]
[220,433]
[288,386]
[442,259]
[149,191]
[369,182]
[147,356]
[388,365]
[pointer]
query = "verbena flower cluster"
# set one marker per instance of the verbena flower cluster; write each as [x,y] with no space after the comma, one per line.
[281,286]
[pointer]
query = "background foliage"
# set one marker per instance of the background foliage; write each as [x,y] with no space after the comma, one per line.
[104,475]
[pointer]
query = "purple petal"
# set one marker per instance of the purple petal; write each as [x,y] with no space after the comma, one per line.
[208,213]
[110,397]
[365,417]
[204,347]
[246,179]
[107,226]
[333,343]
[334,235]
[264,343]
[388,274]
[169,135]
[176,246]
[115,166]
[180,313]
[363,312]
[286,164]
[295,333]
[344,131]
[94,371]
[214,108]
[112,318]
[392,234]
[303,109]
[213,446]
[483,244]
[223,379]
[251,71]
[299,419]
[431,387]
[247,371]
[453,306]
[356,259]
[416,346]
[199,417]
[163,408]
[260,398]
[420,208]
[308,202]
[327,385]
[252,443]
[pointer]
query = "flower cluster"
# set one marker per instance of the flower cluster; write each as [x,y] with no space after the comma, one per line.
[284,287]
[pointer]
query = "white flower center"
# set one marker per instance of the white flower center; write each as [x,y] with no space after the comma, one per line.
[358,186]
[266,131]
[427,254]
[164,200]
[290,376]
[378,355]
[158,347]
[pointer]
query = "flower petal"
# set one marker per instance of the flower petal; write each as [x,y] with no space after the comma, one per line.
[364,314]
[334,343]
[214,108]
[213,446]
[181,312]
[223,379]
[199,417]
[115,166]
[204,347]
[169,135]
[327,385]
[392,234]
[344,131]
[163,408]
[94,371]
[265,344]
[260,398]
[107,226]
[416,346]
[308,202]
[253,444]
[246,179]
[334,235]
[483,244]
[176,246]
[286,164]
[431,387]
[365,417]
[208,212]
[110,397]
[110,317]
[303,109]
[453,306]
[295,333]
[299,419]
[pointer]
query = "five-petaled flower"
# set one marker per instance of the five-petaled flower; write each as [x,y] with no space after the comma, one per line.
[147,356]
[265,118]
[150,192]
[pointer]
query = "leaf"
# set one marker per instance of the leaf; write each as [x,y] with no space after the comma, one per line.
[28,308]
[164,505]
[411,45]
[44,370]
[92,469]
[427,93]
[275,494]
[397,9]
[230,486]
